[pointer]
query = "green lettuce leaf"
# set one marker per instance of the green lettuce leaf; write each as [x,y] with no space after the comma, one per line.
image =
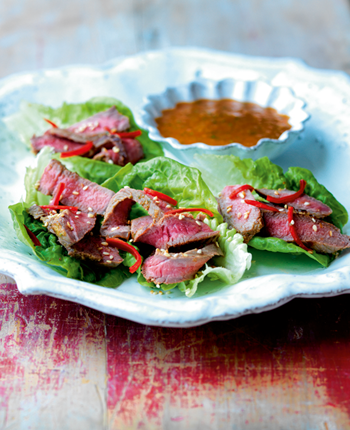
[230,267]
[29,120]
[219,171]
[182,183]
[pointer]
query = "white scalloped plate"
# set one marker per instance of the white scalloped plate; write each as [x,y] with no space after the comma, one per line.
[274,278]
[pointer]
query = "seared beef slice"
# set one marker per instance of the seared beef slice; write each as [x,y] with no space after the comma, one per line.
[166,268]
[313,232]
[80,192]
[171,231]
[244,218]
[303,203]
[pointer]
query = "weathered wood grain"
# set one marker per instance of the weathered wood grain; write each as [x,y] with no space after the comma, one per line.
[37,33]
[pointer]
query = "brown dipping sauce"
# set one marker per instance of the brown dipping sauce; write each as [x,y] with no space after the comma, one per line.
[220,122]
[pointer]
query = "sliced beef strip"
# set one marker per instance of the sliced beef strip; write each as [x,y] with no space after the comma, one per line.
[303,203]
[98,122]
[133,149]
[169,268]
[172,230]
[37,212]
[111,156]
[57,143]
[314,233]
[95,248]
[244,218]
[81,138]
[117,212]
[78,191]
[69,227]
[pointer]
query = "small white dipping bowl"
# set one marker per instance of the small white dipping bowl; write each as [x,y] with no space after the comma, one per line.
[260,92]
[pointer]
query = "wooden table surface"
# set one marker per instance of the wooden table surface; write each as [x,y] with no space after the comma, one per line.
[65,366]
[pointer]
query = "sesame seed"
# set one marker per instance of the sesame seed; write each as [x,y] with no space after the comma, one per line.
[199,251]
[104,243]
[115,149]
[111,257]
[246,215]
[242,195]
[110,161]
[166,254]
[126,186]
[197,222]
[65,147]
[114,228]
[168,206]
[292,222]
[78,212]
[242,201]
[229,209]
[86,187]
[76,216]
[154,198]
[277,193]
[100,248]
[314,228]
[239,215]
[313,219]
[69,226]
[108,261]
[46,224]
[281,210]
[90,209]
[216,244]
[105,253]
[130,240]
[75,193]
[330,233]
[162,250]
[306,203]
[91,215]
[88,222]
[285,206]
[181,216]
[157,285]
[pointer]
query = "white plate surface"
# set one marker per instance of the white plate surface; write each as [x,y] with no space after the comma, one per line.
[324,148]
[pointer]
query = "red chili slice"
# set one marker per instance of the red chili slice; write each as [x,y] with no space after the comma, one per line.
[261,205]
[128,248]
[161,196]
[293,231]
[51,123]
[32,236]
[56,199]
[291,197]
[80,151]
[58,207]
[124,133]
[240,189]
[177,211]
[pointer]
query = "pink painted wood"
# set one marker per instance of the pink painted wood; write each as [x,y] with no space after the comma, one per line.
[65,366]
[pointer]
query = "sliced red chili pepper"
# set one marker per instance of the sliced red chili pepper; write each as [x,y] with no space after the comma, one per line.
[32,236]
[56,199]
[51,123]
[58,207]
[291,197]
[128,248]
[293,231]
[80,151]
[240,189]
[177,211]
[124,133]
[261,205]
[161,196]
